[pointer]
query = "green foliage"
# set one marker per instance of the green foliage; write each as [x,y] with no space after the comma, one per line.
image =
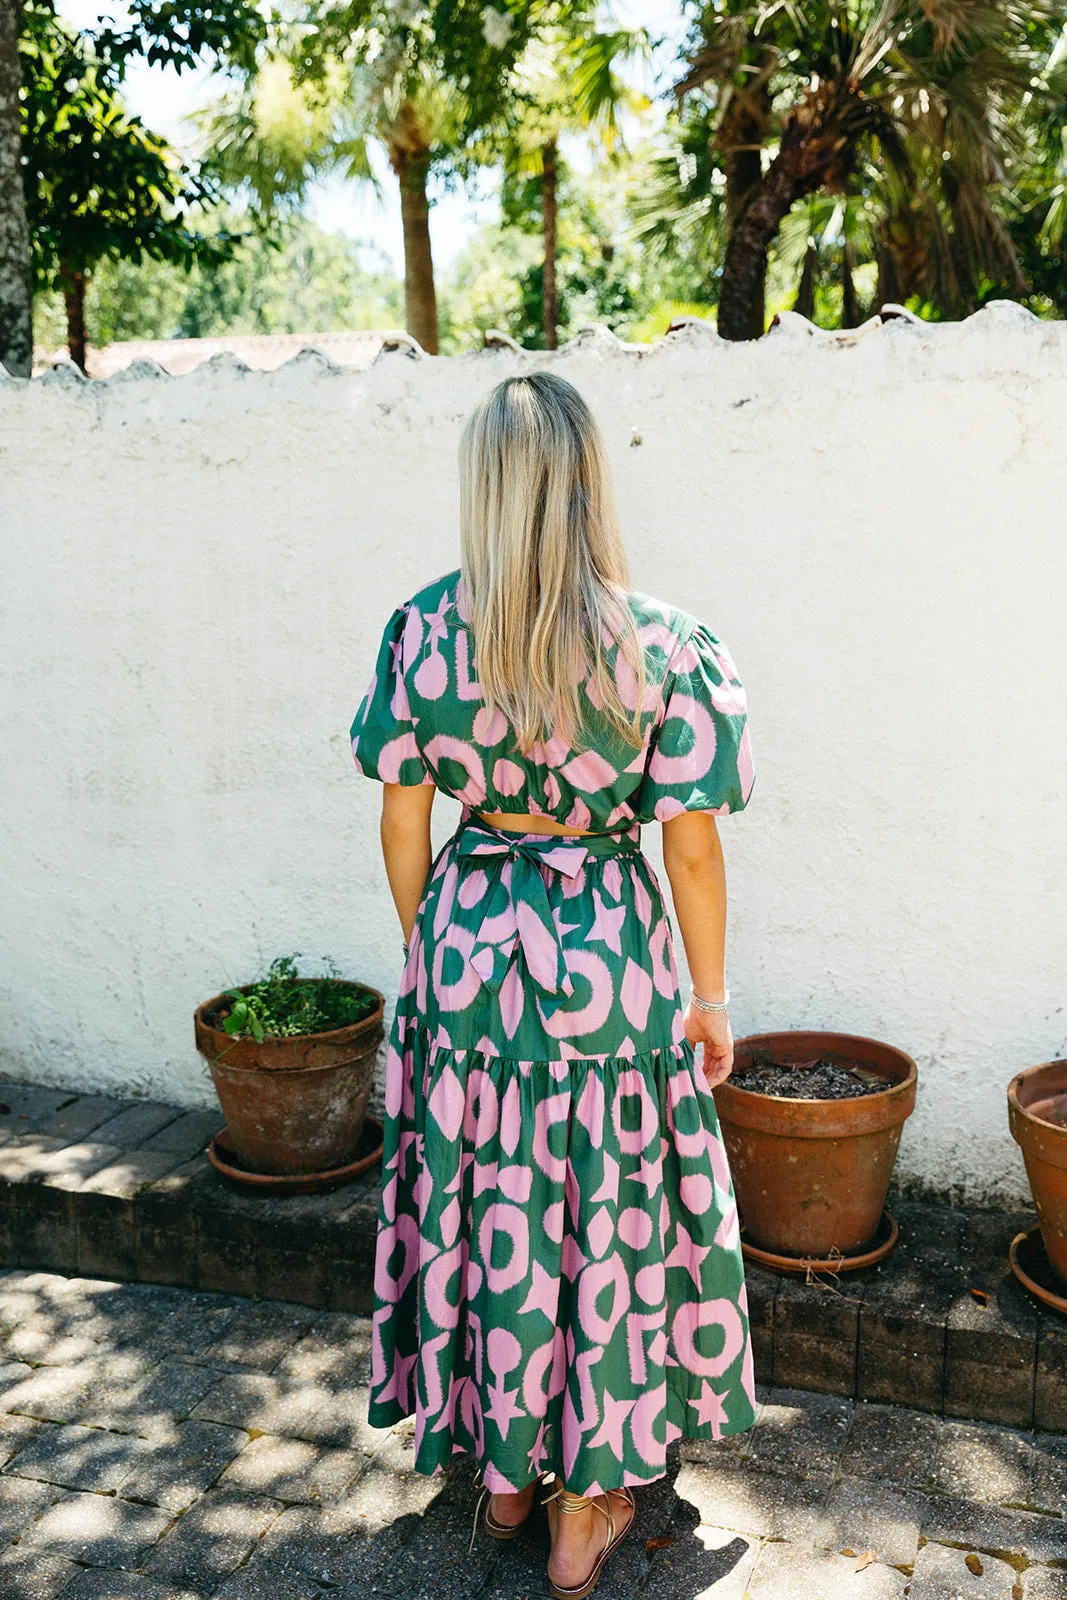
[304,280]
[181,33]
[483,290]
[677,191]
[300,280]
[284,1006]
[465,49]
[97,182]
[271,136]
[658,318]
[943,123]
[497,280]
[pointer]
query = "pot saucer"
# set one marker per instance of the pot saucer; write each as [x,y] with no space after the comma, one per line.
[886,1237]
[224,1160]
[1030,1263]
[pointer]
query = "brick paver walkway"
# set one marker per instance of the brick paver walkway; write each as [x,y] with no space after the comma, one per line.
[164,1444]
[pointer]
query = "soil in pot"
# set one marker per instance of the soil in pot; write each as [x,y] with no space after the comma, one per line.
[812,1123]
[821,1079]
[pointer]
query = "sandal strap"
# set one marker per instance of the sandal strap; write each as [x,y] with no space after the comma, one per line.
[480,1484]
[477,1512]
[577,1502]
[573,1504]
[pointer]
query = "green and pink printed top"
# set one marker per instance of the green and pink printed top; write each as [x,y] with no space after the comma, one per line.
[422,721]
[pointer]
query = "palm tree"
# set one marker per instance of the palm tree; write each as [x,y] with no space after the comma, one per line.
[423,86]
[566,82]
[274,136]
[410,136]
[1050,136]
[924,88]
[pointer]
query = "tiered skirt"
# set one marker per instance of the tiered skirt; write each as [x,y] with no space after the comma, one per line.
[559,1282]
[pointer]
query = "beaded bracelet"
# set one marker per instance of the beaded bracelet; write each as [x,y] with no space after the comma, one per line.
[709,1005]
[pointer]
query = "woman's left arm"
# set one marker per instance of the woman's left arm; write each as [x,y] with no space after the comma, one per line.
[405,833]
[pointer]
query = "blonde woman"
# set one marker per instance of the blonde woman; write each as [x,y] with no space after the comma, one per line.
[559,1287]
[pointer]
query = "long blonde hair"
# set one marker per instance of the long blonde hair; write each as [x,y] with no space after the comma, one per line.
[543,565]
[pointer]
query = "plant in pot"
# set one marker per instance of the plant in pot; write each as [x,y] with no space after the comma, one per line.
[1037,1116]
[812,1123]
[292,1060]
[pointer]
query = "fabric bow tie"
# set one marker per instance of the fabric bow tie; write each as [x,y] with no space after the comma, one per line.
[517,909]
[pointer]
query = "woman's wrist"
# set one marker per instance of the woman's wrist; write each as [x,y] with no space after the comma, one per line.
[711,988]
[718,1000]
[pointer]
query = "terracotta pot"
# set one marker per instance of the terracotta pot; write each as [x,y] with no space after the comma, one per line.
[292,1105]
[811,1176]
[1037,1114]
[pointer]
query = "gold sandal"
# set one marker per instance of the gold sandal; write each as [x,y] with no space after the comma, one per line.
[495,1529]
[572,1504]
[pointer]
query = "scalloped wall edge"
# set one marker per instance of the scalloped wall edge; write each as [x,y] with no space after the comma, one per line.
[997,318]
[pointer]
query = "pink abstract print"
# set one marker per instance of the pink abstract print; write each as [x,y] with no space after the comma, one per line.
[558,1278]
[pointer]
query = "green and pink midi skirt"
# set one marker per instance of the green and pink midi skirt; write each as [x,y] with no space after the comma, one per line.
[558,1280]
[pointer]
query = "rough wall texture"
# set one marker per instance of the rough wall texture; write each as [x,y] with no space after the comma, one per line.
[198,570]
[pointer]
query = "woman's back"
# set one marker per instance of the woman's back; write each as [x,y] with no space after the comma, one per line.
[423,720]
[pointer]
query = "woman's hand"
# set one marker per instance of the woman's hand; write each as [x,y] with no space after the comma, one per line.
[692,856]
[711,1030]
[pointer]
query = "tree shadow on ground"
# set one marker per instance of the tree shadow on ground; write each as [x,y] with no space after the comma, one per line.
[667,1555]
[127,1410]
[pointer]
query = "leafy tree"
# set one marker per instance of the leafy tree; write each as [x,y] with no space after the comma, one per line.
[602,276]
[178,33]
[305,280]
[827,247]
[1037,216]
[276,135]
[97,183]
[924,90]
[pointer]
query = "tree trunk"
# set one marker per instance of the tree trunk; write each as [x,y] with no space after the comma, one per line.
[16,277]
[411,163]
[816,148]
[550,299]
[741,141]
[745,269]
[73,284]
[804,304]
[850,306]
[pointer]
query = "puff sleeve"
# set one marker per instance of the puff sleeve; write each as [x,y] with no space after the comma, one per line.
[383,734]
[700,755]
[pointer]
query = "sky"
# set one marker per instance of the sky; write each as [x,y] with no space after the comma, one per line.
[163,100]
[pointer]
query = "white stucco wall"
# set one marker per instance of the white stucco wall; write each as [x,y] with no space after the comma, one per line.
[197,571]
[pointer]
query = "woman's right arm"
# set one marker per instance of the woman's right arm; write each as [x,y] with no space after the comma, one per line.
[692,856]
[406,846]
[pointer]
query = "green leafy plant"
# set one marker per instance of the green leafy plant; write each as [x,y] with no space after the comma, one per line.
[284,1005]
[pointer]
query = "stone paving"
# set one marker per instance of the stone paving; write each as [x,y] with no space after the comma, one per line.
[169,1444]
